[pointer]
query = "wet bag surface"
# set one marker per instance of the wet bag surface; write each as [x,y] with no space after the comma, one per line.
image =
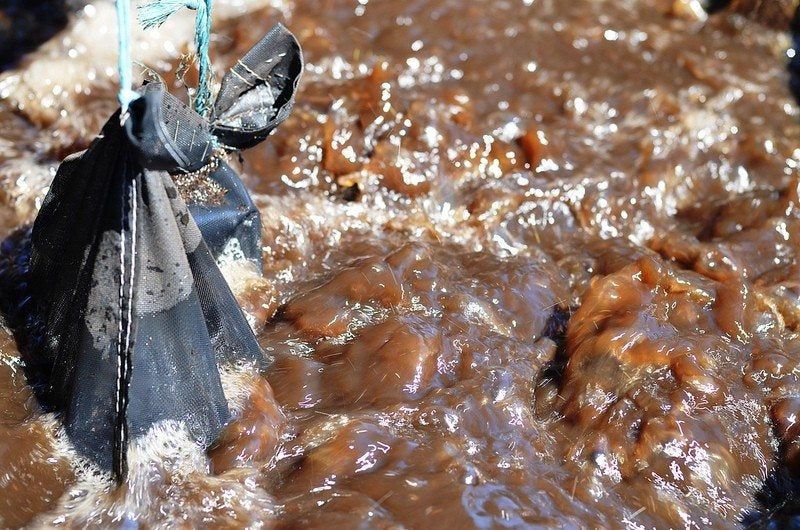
[136,316]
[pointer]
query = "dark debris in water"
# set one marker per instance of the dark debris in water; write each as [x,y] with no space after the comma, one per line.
[26,24]
[779,503]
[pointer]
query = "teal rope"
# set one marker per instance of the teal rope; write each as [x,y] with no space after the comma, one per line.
[125,63]
[202,32]
[157,12]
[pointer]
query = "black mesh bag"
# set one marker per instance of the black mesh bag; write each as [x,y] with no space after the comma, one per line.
[132,315]
[256,96]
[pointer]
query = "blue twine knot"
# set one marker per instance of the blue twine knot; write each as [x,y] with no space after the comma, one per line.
[156,13]
[152,15]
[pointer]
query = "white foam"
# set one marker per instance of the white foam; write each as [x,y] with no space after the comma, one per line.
[165,454]
[91,482]
[238,273]
[165,457]
[237,381]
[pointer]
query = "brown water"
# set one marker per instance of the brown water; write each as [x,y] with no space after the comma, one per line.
[526,263]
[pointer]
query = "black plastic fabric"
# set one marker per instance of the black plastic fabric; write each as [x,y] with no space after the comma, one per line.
[258,92]
[256,96]
[233,228]
[134,317]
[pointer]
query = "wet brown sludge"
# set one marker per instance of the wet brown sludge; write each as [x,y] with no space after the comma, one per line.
[526,263]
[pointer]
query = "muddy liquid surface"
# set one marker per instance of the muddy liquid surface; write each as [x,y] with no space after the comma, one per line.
[527,263]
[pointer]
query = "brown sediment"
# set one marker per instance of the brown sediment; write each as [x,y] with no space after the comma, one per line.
[777,13]
[198,187]
[526,263]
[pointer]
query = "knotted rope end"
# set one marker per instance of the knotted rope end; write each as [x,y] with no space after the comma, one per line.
[153,14]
